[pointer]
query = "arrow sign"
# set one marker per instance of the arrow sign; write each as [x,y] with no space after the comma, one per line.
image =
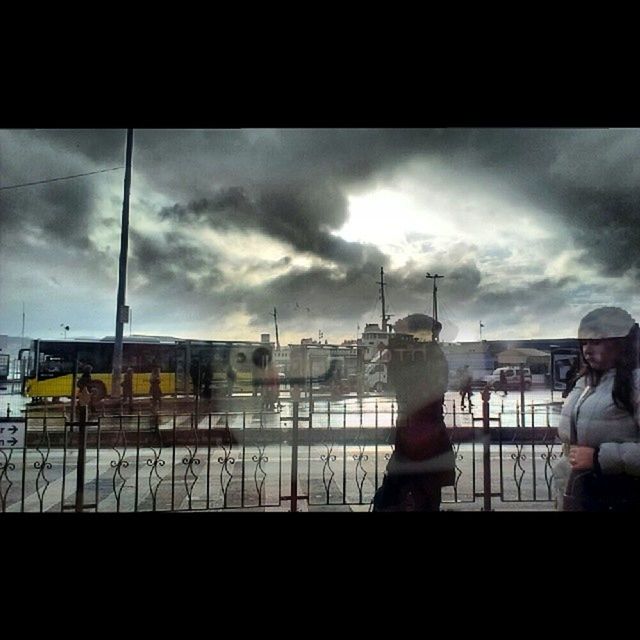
[16,439]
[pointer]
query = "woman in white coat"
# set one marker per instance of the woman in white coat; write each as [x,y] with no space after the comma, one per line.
[600,468]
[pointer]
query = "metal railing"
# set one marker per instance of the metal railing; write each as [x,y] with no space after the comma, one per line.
[333,457]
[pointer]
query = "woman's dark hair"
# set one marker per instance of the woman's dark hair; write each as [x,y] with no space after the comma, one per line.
[627,361]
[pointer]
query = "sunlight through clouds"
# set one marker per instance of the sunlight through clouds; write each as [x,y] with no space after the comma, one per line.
[529,227]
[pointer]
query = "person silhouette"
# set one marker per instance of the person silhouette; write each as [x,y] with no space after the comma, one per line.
[127,388]
[271,387]
[206,384]
[571,377]
[86,395]
[155,391]
[231,380]
[194,374]
[423,460]
[85,379]
[504,385]
[465,386]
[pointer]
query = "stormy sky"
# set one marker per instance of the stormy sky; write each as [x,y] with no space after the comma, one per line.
[531,228]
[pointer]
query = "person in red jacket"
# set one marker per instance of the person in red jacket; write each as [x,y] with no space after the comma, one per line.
[423,461]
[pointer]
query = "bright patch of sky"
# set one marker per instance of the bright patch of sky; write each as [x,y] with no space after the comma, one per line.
[251,256]
[408,220]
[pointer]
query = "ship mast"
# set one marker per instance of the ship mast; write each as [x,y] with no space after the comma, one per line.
[385,317]
[275,320]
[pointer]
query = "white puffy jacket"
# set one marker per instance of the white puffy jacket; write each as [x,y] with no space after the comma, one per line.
[601,424]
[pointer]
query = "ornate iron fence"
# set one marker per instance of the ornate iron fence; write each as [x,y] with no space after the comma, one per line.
[333,457]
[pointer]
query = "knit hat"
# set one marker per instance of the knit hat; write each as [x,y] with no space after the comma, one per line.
[605,322]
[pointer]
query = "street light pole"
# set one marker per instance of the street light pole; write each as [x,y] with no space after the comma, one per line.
[121,310]
[434,277]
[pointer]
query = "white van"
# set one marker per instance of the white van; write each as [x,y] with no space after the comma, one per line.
[375,376]
[512,375]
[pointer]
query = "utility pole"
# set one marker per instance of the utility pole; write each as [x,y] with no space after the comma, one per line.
[121,309]
[385,317]
[434,277]
[275,320]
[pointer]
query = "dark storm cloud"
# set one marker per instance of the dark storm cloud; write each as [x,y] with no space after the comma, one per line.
[300,295]
[318,292]
[171,262]
[317,166]
[277,157]
[59,213]
[553,170]
[183,275]
[97,145]
[588,178]
[302,216]
[298,215]
[544,295]
[408,288]
[322,293]
[606,222]
[291,184]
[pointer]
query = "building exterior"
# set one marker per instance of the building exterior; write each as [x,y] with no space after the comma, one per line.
[281,357]
[478,356]
[373,340]
[485,356]
[482,357]
[326,365]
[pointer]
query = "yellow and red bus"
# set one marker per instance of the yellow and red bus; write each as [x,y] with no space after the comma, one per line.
[186,366]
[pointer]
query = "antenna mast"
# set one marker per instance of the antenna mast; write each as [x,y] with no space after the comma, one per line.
[275,320]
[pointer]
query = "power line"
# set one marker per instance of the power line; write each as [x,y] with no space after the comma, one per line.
[78,175]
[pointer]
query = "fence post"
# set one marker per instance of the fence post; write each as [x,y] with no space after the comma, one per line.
[82,450]
[294,460]
[486,448]
[522,407]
